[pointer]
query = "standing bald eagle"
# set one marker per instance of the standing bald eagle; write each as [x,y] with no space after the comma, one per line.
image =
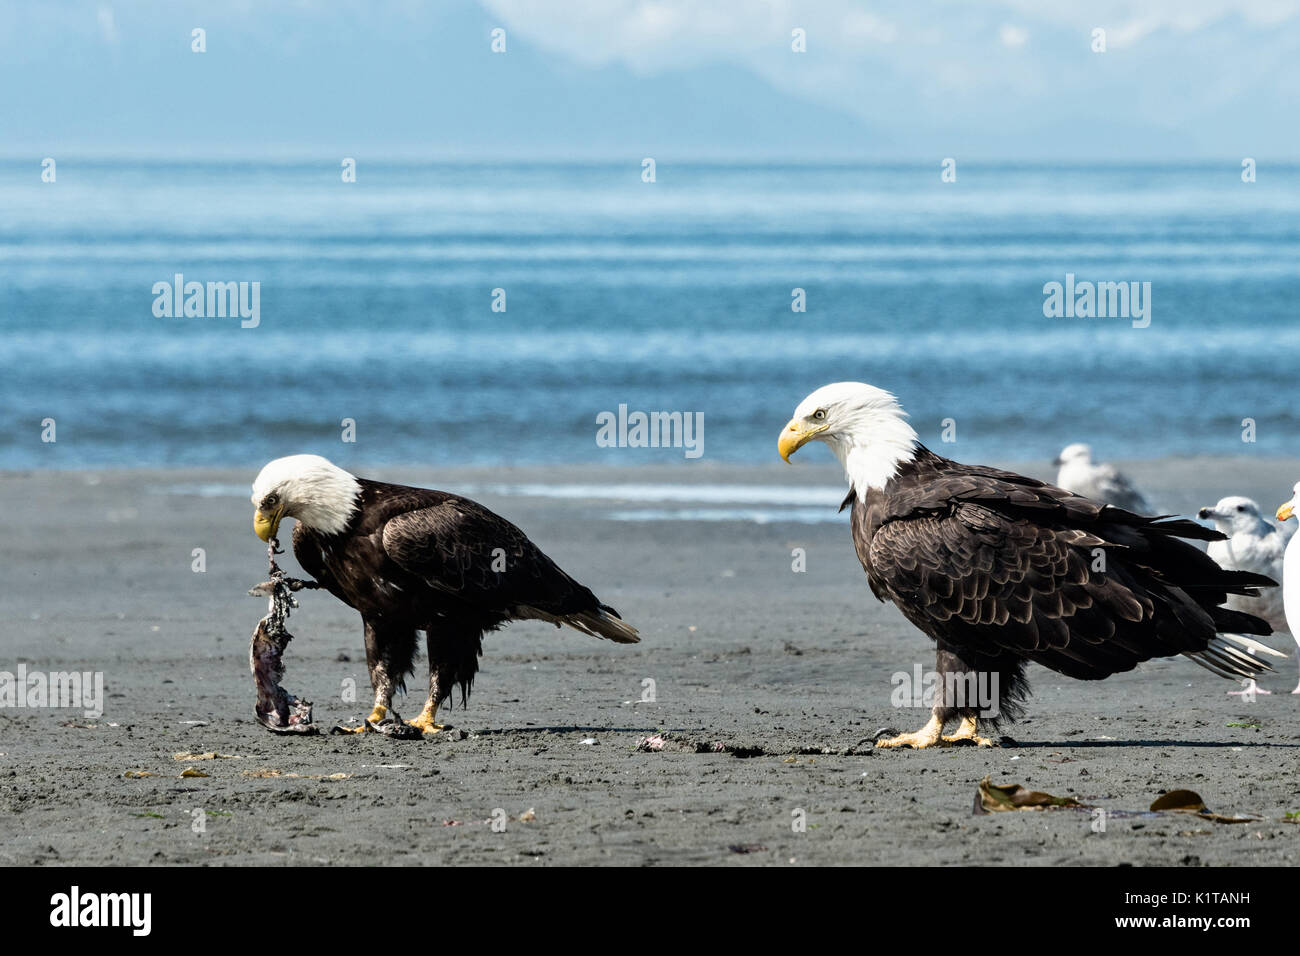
[411,560]
[1000,570]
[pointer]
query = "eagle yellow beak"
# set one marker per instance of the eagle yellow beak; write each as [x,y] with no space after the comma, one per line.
[266,525]
[1285,512]
[795,435]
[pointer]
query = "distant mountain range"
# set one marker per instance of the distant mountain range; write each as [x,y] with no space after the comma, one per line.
[666,78]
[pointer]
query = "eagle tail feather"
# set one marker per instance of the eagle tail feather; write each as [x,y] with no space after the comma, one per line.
[603,622]
[600,621]
[1229,621]
[1176,527]
[1252,646]
[1224,656]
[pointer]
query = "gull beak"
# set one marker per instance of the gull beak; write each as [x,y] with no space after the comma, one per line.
[1205,513]
[266,525]
[1285,512]
[795,435]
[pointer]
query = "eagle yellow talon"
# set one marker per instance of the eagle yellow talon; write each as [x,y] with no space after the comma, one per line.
[977,741]
[917,741]
[966,732]
[927,736]
[376,716]
[425,723]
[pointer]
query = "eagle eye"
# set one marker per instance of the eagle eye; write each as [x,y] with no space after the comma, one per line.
[819,414]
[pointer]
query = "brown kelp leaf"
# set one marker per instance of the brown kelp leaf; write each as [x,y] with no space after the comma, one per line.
[138,774]
[1224,818]
[1188,800]
[193,772]
[995,798]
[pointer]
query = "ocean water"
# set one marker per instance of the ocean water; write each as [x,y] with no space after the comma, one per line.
[376,306]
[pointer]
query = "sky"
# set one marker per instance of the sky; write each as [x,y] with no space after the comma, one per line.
[1179,80]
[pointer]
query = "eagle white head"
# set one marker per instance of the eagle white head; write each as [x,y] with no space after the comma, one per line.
[1236,515]
[1076,454]
[864,425]
[314,490]
[1285,512]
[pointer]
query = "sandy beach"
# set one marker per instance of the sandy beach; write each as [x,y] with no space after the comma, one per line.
[768,687]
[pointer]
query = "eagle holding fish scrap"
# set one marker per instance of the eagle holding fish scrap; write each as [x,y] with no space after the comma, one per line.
[411,560]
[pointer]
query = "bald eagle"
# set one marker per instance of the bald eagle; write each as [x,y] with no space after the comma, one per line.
[410,560]
[1000,570]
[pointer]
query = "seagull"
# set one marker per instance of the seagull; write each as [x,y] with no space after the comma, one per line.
[1291,570]
[1253,544]
[1104,483]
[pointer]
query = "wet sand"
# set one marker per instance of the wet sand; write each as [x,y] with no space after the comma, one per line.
[768,687]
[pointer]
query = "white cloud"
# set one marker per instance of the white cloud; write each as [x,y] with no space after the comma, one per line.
[107,25]
[860,25]
[941,64]
[659,34]
[1013,36]
[1124,26]
[651,35]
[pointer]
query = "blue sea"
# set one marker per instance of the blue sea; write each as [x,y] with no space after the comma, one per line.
[376,305]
